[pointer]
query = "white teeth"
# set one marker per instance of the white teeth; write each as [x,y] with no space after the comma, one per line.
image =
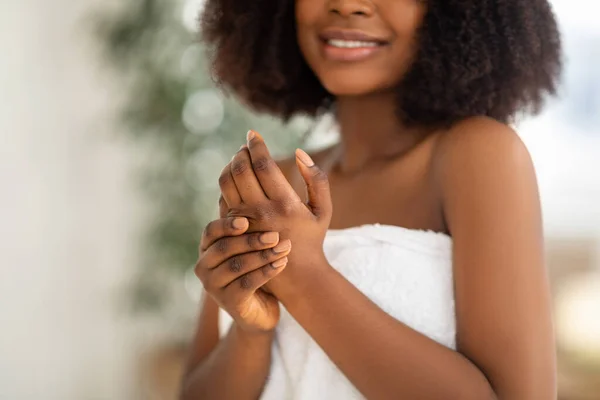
[351,44]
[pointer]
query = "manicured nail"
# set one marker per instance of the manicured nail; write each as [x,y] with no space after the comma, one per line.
[269,237]
[304,158]
[283,246]
[240,223]
[250,135]
[279,263]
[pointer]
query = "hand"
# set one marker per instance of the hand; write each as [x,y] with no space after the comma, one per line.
[233,265]
[254,187]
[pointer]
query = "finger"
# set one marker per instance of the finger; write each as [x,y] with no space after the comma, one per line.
[317,185]
[268,173]
[245,180]
[247,284]
[239,265]
[228,189]
[220,228]
[228,247]
[223,207]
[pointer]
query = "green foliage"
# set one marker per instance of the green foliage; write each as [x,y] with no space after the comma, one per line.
[172,110]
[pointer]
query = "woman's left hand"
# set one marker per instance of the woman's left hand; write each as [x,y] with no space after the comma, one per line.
[253,186]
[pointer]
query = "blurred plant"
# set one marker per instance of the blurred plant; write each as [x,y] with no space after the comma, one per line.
[185,128]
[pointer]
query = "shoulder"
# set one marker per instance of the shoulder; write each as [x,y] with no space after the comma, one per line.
[480,139]
[479,162]
[479,148]
[492,211]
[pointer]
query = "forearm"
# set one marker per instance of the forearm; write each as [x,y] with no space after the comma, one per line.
[382,357]
[236,369]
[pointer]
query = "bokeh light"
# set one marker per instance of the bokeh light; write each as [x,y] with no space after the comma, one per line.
[578,317]
[203,111]
[203,168]
[189,14]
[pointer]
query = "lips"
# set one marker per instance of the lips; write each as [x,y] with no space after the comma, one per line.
[350,35]
[350,45]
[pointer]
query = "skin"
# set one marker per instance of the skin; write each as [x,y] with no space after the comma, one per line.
[474,181]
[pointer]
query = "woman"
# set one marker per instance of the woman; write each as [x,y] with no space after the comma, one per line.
[414,267]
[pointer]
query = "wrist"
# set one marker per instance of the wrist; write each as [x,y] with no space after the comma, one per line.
[311,275]
[251,335]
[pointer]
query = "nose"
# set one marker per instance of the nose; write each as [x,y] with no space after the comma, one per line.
[347,8]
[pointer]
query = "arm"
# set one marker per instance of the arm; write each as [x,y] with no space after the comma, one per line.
[506,347]
[502,291]
[381,356]
[232,266]
[490,200]
[233,368]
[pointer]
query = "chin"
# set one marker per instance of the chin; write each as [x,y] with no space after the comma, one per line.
[350,84]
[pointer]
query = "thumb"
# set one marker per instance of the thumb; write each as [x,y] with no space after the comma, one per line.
[317,185]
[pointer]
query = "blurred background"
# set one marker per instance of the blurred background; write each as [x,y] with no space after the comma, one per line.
[113,137]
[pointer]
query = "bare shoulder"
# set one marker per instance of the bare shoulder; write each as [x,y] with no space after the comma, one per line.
[492,210]
[480,143]
[480,164]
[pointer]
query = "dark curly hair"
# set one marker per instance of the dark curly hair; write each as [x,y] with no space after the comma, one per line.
[492,58]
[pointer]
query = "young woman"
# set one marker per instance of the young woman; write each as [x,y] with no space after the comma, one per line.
[413,268]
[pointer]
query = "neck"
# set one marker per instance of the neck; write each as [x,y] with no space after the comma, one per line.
[371,130]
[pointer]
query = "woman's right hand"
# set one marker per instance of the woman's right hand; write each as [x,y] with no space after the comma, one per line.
[234,265]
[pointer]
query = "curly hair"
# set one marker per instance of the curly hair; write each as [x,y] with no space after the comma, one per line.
[494,58]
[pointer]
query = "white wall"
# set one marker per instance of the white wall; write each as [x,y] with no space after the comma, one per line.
[66,211]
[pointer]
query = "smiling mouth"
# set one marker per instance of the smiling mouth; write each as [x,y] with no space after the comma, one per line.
[349,45]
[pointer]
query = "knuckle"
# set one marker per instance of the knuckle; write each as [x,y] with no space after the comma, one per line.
[264,213]
[253,240]
[267,270]
[246,282]
[262,164]
[321,176]
[222,245]
[265,255]
[285,207]
[235,264]
[207,232]
[224,178]
[239,167]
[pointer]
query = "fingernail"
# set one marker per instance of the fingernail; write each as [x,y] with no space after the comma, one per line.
[283,246]
[269,237]
[250,135]
[279,263]
[243,147]
[304,158]
[240,223]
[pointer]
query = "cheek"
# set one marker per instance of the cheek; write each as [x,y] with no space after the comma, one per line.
[307,14]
